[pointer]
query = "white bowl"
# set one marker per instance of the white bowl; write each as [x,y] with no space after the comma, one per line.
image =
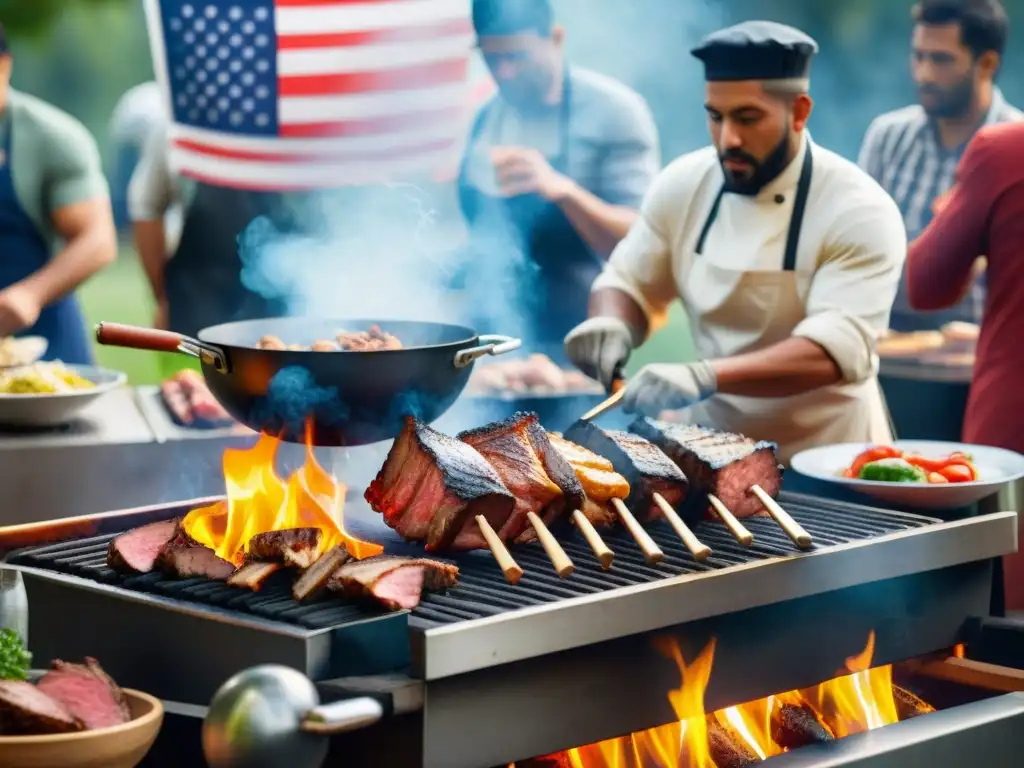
[996,467]
[54,409]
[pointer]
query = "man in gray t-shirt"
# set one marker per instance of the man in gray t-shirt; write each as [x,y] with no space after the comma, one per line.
[555,169]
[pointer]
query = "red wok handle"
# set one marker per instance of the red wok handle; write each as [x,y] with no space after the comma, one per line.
[134,337]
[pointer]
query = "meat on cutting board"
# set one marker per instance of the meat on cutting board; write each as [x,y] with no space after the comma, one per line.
[432,485]
[644,466]
[296,547]
[26,710]
[137,550]
[87,692]
[539,477]
[394,582]
[598,478]
[720,463]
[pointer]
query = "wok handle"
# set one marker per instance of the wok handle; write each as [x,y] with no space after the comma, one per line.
[136,337]
[489,345]
[342,716]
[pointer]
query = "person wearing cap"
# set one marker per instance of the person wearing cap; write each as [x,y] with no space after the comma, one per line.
[56,225]
[556,165]
[786,258]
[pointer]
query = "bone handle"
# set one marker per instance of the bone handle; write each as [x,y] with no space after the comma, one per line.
[698,549]
[652,552]
[793,529]
[563,565]
[513,573]
[601,550]
[736,528]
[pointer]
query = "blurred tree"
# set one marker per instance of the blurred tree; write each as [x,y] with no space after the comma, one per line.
[36,17]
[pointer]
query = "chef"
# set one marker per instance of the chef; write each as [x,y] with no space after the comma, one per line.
[555,168]
[56,227]
[786,258]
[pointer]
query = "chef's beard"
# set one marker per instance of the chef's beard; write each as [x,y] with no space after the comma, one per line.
[765,171]
[952,102]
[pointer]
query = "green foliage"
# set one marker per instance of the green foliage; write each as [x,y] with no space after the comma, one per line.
[33,18]
[15,660]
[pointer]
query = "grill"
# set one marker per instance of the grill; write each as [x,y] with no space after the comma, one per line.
[548,650]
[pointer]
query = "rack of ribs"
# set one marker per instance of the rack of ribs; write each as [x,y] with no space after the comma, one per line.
[731,476]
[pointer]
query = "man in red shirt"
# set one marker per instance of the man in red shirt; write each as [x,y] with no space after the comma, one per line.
[983,215]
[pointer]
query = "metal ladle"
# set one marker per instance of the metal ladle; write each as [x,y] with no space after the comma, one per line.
[270,716]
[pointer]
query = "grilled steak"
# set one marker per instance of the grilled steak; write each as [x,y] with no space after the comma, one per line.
[720,463]
[187,559]
[537,475]
[394,582]
[297,547]
[315,578]
[645,467]
[87,692]
[432,486]
[253,575]
[598,478]
[136,551]
[27,711]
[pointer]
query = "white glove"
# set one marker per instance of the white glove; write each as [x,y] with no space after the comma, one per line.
[600,346]
[669,387]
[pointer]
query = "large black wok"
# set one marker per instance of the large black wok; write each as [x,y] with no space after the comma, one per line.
[346,398]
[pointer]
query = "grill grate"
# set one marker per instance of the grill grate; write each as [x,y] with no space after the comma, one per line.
[482,590]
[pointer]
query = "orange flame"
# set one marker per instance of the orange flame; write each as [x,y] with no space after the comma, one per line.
[860,700]
[259,500]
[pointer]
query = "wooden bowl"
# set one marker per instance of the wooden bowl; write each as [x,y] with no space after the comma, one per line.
[121,746]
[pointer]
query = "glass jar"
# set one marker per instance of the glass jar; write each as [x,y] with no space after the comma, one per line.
[13,603]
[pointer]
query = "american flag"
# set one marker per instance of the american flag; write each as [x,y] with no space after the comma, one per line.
[305,94]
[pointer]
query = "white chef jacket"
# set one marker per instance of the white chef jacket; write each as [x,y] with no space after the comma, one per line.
[739,298]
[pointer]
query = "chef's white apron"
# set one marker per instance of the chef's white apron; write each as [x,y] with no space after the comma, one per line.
[734,310]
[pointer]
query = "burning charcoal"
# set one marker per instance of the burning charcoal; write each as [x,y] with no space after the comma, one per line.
[253,575]
[558,760]
[432,486]
[394,582]
[87,692]
[725,751]
[794,727]
[315,578]
[137,550]
[718,463]
[909,705]
[298,547]
[27,711]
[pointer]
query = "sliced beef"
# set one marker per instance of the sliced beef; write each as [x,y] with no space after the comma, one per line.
[645,467]
[720,463]
[137,550]
[598,478]
[432,486]
[296,547]
[394,582]
[25,710]
[87,692]
[541,480]
[253,575]
[314,579]
[186,559]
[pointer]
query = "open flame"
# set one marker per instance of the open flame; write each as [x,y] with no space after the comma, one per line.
[259,500]
[859,701]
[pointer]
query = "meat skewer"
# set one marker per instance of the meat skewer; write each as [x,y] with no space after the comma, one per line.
[602,551]
[699,550]
[559,559]
[793,529]
[736,528]
[513,573]
[652,552]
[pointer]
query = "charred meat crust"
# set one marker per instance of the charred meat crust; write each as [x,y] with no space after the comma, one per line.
[253,575]
[314,580]
[720,463]
[297,547]
[392,581]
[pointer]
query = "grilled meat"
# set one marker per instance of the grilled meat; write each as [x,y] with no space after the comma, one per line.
[719,463]
[908,704]
[136,551]
[432,486]
[27,711]
[794,727]
[727,752]
[87,692]
[645,467]
[539,477]
[394,582]
[371,340]
[315,578]
[185,558]
[598,478]
[297,547]
[253,575]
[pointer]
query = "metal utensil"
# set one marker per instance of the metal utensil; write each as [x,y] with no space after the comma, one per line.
[270,716]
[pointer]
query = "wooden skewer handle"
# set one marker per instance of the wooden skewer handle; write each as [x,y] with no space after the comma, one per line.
[652,552]
[601,550]
[563,565]
[736,528]
[698,549]
[793,529]
[513,573]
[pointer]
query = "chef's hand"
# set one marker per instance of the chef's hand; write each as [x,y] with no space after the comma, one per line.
[669,387]
[599,347]
[523,171]
[19,309]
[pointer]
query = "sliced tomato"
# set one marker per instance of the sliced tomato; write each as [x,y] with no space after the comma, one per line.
[936,477]
[957,473]
[874,453]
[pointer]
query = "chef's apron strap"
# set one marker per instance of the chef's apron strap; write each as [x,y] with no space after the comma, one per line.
[796,222]
[710,220]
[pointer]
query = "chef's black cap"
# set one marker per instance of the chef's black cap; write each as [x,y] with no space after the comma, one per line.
[500,18]
[756,50]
